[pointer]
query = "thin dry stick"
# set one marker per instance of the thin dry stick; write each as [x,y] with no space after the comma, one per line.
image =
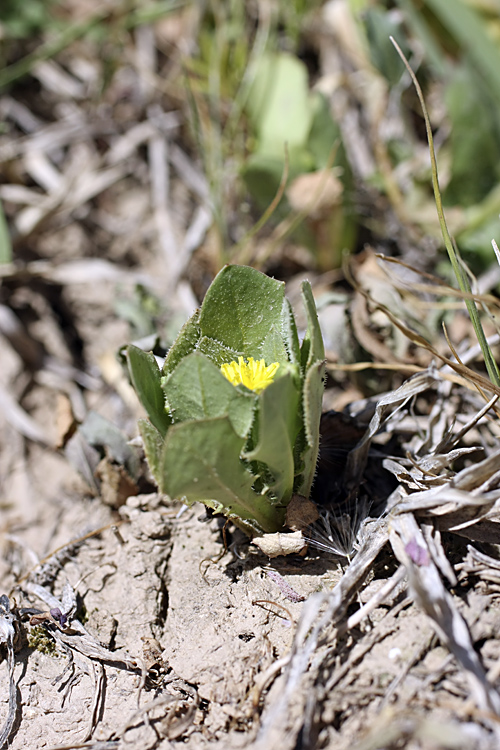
[465,429]
[97,745]
[397,367]
[437,286]
[215,560]
[260,602]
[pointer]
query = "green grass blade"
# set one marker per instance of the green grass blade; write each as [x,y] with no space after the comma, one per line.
[455,260]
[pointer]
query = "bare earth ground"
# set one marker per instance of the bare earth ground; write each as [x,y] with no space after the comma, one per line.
[173,643]
[211,647]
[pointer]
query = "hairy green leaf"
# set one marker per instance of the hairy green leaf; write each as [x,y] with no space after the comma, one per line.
[311,405]
[197,389]
[289,332]
[201,462]
[312,346]
[273,348]
[278,426]
[185,343]
[153,444]
[240,307]
[217,352]
[145,377]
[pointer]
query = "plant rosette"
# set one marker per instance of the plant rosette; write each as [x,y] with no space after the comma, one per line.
[234,413]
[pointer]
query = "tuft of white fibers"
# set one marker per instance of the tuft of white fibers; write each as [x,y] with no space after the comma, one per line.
[339,532]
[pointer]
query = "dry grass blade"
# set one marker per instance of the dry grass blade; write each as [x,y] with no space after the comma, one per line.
[276,720]
[357,458]
[468,374]
[469,497]
[377,599]
[465,372]
[436,285]
[317,625]
[411,550]
[93,745]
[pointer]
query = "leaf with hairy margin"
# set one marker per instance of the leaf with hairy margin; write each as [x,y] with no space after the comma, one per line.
[201,462]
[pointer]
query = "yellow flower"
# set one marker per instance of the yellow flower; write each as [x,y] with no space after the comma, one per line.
[252,374]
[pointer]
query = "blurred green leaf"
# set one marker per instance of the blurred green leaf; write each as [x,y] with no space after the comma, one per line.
[469,30]
[279,104]
[380,26]
[418,23]
[23,19]
[290,122]
[474,139]
[324,133]
[475,244]
[5,243]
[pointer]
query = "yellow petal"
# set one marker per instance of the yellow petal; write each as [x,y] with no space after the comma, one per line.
[254,374]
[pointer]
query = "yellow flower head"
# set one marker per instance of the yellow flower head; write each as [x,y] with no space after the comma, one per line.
[252,374]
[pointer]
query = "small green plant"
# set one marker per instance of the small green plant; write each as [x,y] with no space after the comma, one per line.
[40,640]
[234,413]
